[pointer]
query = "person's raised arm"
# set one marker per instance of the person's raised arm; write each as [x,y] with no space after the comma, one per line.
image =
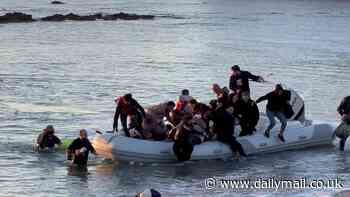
[255,77]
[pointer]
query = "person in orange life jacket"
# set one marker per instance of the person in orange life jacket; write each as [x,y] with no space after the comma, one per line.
[239,80]
[276,101]
[181,107]
[183,100]
[128,107]
[80,149]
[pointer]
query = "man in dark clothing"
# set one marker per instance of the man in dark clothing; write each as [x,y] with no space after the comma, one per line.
[183,145]
[128,107]
[344,107]
[343,130]
[247,112]
[224,128]
[239,80]
[79,149]
[221,94]
[48,139]
[276,102]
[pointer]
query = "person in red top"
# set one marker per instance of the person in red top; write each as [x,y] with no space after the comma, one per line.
[128,107]
[181,107]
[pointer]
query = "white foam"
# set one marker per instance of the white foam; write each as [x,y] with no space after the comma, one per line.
[38,108]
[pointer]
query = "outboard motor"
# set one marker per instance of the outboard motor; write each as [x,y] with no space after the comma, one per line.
[297,103]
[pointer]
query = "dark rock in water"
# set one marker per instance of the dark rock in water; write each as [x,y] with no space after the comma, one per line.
[125,16]
[21,17]
[56,17]
[57,2]
[73,17]
[16,17]
[98,16]
[90,17]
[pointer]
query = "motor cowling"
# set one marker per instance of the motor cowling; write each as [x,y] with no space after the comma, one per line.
[298,105]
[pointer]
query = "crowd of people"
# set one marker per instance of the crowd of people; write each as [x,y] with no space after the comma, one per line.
[189,122]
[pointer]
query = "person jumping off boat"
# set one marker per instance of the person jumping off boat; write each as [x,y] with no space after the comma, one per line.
[276,102]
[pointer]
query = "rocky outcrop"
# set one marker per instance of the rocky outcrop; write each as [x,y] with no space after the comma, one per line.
[98,16]
[21,17]
[125,16]
[57,2]
[16,17]
[72,17]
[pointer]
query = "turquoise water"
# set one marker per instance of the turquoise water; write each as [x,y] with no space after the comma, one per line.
[68,74]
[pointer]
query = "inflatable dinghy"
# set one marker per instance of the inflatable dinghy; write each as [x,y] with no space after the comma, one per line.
[299,134]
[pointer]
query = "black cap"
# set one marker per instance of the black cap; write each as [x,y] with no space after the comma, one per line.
[128,97]
[279,87]
[235,68]
[185,92]
[170,103]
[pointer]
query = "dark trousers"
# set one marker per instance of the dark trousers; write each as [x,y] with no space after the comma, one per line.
[232,142]
[247,128]
[183,148]
[342,143]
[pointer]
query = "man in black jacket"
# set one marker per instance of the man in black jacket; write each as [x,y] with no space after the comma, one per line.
[128,107]
[224,128]
[246,110]
[239,80]
[276,102]
[79,149]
